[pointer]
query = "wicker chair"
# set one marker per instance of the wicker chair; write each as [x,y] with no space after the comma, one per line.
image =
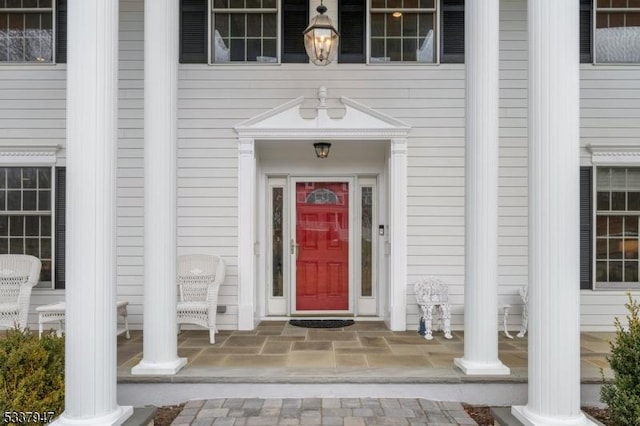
[18,274]
[199,279]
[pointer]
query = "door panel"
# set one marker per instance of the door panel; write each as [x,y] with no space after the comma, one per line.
[322,237]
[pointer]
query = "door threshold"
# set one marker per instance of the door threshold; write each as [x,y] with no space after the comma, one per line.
[320,316]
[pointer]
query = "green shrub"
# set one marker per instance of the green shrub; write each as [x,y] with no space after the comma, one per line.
[31,374]
[622,394]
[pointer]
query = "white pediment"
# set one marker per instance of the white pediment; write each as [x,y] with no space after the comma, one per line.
[357,121]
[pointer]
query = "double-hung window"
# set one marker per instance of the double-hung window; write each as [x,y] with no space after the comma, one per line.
[403,30]
[26,214]
[617,31]
[32,216]
[244,31]
[616,231]
[26,30]
[270,31]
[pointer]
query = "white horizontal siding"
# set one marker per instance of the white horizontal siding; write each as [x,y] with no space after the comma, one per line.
[599,309]
[212,99]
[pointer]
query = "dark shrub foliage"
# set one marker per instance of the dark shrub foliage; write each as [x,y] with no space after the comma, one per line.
[622,394]
[31,374]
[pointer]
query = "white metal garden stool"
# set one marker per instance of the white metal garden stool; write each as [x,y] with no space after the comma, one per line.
[523,292]
[432,293]
[56,312]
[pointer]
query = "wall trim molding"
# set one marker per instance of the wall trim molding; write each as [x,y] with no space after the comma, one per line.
[614,154]
[35,155]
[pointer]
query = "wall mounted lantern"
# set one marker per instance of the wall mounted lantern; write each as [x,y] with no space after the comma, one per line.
[322,149]
[321,38]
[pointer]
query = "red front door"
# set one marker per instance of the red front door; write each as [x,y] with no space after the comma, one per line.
[322,237]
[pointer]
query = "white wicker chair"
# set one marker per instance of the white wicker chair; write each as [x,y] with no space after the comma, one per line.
[199,279]
[18,274]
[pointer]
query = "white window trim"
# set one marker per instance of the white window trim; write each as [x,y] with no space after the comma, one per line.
[436,43]
[28,156]
[36,156]
[210,33]
[615,155]
[54,28]
[609,156]
[594,39]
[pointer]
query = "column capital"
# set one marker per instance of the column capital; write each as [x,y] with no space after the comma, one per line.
[246,146]
[399,146]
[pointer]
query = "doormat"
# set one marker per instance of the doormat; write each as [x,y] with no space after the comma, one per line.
[321,323]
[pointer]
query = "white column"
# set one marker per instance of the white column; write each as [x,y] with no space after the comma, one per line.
[554,280]
[398,235]
[246,233]
[160,351]
[92,103]
[481,191]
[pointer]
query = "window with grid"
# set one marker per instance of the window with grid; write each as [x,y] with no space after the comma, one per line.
[617,215]
[26,30]
[403,30]
[244,31]
[617,31]
[25,214]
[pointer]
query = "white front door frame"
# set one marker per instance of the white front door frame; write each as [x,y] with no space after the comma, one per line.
[286,123]
[279,176]
[293,180]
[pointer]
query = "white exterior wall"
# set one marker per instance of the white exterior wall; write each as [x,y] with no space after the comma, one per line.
[212,99]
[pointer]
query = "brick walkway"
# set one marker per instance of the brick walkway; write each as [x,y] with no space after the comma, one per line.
[322,411]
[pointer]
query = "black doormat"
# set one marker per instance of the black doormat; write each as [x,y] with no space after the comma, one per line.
[321,323]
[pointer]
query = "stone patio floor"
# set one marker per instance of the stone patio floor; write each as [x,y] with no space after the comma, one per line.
[366,351]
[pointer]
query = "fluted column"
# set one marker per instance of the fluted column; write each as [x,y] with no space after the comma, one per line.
[481,191]
[160,352]
[554,280]
[398,235]
[246,233]
[92,94]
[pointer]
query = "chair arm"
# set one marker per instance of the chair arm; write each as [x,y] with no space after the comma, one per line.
[212,292]
[220,272]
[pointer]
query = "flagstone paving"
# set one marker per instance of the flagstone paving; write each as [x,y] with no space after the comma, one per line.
[322,411]
[366,352]
[364,349]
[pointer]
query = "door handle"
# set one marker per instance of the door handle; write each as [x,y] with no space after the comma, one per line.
[295,248]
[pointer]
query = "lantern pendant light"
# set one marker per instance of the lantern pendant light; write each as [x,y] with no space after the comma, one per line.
[321,38]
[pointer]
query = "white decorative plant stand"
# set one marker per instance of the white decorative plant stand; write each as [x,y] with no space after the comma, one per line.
[56,312]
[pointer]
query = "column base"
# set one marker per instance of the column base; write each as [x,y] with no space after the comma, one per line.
[397,318]
[115,418]
[246,319]
[159,368]
[471,368]
[528,418]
